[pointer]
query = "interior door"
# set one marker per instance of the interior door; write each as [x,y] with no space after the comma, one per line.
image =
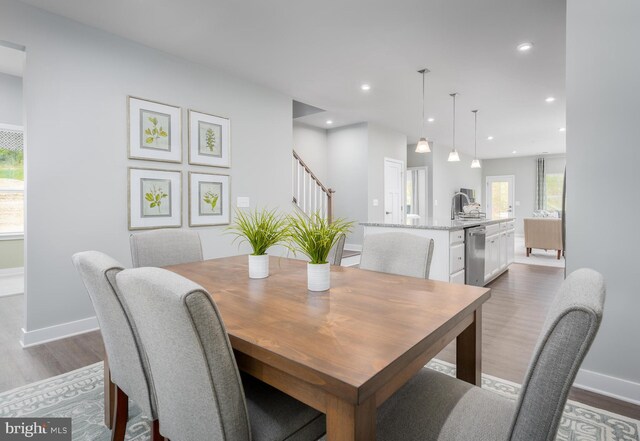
[499,197]
[393,182]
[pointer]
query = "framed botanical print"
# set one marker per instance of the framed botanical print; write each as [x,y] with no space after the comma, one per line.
[209,202]
[209,140]
[154,131]
[155,198]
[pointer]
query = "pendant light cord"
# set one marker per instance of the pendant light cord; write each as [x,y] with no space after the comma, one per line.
[454,120]
[475,135]
[423,72]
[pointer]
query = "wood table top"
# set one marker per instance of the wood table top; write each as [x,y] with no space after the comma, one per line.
[352,338]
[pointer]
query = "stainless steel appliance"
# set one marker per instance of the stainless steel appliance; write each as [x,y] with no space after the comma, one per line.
[474,252]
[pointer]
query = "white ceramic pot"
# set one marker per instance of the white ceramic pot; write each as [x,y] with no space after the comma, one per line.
[318,276]
[258,266]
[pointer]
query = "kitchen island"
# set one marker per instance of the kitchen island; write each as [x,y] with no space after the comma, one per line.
[450,253]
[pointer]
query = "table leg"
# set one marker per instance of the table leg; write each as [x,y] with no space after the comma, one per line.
[109,395]
[469,351]
[349,422]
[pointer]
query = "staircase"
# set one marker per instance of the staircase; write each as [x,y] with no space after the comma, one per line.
[309,195]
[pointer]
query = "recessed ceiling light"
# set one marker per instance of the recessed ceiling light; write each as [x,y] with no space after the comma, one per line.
[490,138]
[514,152]
[430,119]
[329,122]
[365,86]
[562,129]
[525,47]
[550,99]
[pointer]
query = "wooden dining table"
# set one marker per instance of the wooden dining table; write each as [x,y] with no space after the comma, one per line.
[346,350]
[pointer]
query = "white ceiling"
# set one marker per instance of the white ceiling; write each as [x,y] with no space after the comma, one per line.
[320,52]
[11,61]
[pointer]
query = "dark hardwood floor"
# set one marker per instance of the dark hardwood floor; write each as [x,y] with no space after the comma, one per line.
[20,366]
[512,320]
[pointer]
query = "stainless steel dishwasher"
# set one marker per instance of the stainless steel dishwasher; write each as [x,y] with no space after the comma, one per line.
[474,255]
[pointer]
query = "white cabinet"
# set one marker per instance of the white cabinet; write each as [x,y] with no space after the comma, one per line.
[499,249]
[456,256]
[456,237]
[457,277]
[491,256]
[511,246]
[502,257]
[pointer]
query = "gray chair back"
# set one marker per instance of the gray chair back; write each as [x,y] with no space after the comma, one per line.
[397,253]
[127,361]
[198,387]
[569,330]
[335,254]
[165,247]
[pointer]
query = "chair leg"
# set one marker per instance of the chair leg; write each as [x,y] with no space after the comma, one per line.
[559,253]
[155,431]
[120,415]
[528,251]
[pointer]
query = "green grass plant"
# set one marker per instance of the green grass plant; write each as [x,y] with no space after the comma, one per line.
[315,236]
[262,229]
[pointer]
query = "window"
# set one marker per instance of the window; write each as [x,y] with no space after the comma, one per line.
[11,180]
[553,183]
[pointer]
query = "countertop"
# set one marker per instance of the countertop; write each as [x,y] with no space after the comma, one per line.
[438,224]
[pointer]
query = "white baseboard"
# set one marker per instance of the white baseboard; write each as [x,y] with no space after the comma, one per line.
[613,387]
[58,332]
[11,281]
[12,272]
[352,247]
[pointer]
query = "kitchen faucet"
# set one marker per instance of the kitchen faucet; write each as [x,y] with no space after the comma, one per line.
[453,203]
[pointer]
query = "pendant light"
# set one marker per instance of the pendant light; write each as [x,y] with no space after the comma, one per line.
[453,155]
[476,162]
[423,144]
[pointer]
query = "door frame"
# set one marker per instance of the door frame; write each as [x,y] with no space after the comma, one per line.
[426,196]
[487,199]
[402,185]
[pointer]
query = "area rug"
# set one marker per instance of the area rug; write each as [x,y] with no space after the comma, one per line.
[79,395]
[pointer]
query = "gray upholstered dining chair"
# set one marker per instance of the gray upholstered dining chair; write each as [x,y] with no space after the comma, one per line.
[199,390]
[397,253]
[127,362]
[434,406]
[336,252]
[165,247]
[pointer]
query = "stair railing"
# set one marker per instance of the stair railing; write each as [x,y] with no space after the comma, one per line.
[309,194]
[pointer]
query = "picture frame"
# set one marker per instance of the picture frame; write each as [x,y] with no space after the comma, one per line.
[154,130]
[209,140]
[209,199]
[155,198]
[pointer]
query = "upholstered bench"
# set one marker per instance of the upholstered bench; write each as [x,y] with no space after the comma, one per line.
[543,233]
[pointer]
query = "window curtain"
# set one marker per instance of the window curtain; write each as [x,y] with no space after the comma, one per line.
[540,190]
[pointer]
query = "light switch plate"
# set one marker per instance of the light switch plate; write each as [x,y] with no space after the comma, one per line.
[375,202]
[242,202]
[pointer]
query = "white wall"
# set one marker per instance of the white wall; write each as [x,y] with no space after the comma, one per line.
[10,99]
[76,82]
[311,145]
[383,143]
[603,130]
[347,170]
[524,170]
[449,177]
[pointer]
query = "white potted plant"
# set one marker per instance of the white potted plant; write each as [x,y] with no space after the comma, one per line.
[262,230]
[315,237]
